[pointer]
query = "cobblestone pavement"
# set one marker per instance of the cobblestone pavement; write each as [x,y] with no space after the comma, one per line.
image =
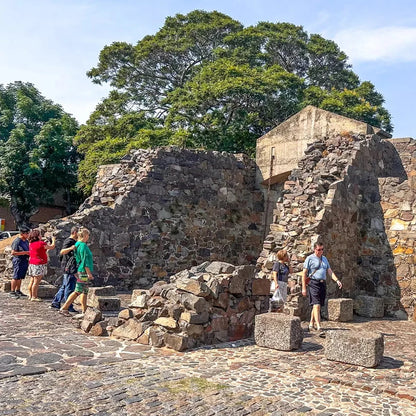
[49,367]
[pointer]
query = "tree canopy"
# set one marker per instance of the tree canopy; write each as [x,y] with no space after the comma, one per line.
[205,81]
[37,156]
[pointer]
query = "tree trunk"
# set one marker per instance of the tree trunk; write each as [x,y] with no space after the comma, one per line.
[22,219]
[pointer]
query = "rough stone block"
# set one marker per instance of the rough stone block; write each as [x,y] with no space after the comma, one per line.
[102,291]
[169,323]
[219,267]
[139,298]
[278,331]
[131,329]
[99,329]
[125,314]
[354,347]
[106,303]
[86,325]
[176,342]
[45,291]
[92,315]
[369,306]
[261,287]
[156,337]
[193,286]
[6,286]
[340,310]
[195,318]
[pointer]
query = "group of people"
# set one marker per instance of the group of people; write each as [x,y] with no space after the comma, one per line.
[316,270]
[29,251]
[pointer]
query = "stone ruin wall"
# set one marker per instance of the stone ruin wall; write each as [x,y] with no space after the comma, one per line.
[164,210]
[334,195]
[398,202]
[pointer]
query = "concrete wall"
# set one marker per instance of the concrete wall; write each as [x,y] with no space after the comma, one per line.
[290,139]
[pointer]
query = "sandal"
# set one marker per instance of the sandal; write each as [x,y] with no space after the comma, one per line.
[64,312]
[311,328]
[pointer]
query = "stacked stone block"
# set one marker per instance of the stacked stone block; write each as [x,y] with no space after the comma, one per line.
[207,304]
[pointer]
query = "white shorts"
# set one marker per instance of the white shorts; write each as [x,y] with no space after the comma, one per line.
[37,270]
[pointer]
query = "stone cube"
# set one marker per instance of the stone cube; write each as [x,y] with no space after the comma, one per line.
[369,306]
[278,331]
[340,310]
[355,347]
[106,303]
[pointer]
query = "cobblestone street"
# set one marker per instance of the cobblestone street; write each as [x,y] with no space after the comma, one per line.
[49,367]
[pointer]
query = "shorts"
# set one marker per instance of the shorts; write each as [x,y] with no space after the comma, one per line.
[19,269]
[82,283]
[81,287]
[37,270]
[317,292]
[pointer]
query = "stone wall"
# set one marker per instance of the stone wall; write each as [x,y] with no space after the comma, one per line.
[334,196]
[209,303]
[164,210]
[398,202]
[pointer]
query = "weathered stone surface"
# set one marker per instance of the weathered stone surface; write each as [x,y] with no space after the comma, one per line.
[131,329]
[5,286]
[369,306]
[86,325]
[354,347]
[99,329]
[125,314]
[139,298]
[193,286]
[106,303]
[156,337]
[194,303]
[92,315]
[219,267]
[195,318]
[166,322]
[101,291]
[45,290]
[278,331]
[261,287]
[176,342]
[341,310]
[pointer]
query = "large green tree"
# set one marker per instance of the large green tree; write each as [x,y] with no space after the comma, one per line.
[37,155]
[203,80]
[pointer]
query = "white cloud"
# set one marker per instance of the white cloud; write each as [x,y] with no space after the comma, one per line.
[391,43]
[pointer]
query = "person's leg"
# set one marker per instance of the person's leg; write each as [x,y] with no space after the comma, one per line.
[35,287]
[14,285]
[29,288]
[59,297]
[20,275]
[69,288]
[84,302]
[70,299]
[316,312]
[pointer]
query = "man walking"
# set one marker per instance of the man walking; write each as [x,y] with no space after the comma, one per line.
[69,266]
[316,267]
[20,260]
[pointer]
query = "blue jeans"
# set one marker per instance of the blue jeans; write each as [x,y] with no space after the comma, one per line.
[67,287]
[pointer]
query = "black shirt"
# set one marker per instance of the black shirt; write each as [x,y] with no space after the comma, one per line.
[68,262]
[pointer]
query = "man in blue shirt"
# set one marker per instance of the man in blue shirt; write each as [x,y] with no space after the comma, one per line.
[20,260]
[317,268]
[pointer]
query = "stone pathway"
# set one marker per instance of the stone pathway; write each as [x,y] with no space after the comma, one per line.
[49,367]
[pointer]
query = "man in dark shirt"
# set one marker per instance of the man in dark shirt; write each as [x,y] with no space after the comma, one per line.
[69,267]
[20,260]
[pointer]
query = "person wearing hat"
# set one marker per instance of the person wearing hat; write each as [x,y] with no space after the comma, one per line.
[20,260]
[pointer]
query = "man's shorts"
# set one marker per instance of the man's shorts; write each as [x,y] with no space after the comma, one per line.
[317,292]
[82,283]
[19,269]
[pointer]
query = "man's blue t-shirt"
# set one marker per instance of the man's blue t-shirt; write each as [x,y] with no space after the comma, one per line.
[312,263]
[20,245]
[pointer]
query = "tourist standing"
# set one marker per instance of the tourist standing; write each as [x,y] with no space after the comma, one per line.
[20,261]
[316,267]
[83,257]
[38,258]
[69,266]
[280,273]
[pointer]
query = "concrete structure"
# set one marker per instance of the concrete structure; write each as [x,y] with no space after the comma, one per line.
[279,151]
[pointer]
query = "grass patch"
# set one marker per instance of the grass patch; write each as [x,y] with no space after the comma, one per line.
[192,385]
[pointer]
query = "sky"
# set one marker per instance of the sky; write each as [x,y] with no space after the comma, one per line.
[53,43]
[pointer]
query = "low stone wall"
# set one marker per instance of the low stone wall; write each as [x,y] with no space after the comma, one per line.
[163,210]
[207,304]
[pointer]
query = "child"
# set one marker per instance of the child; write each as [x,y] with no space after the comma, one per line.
[83,258]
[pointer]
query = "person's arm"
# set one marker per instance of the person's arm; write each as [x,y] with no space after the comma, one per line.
[304,275]
[89,274]
[331,274]
[67,250]
[50,246]
[276,282]
[16,252]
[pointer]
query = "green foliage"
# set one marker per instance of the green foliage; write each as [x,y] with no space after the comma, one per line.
[203,80]
[37,156]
